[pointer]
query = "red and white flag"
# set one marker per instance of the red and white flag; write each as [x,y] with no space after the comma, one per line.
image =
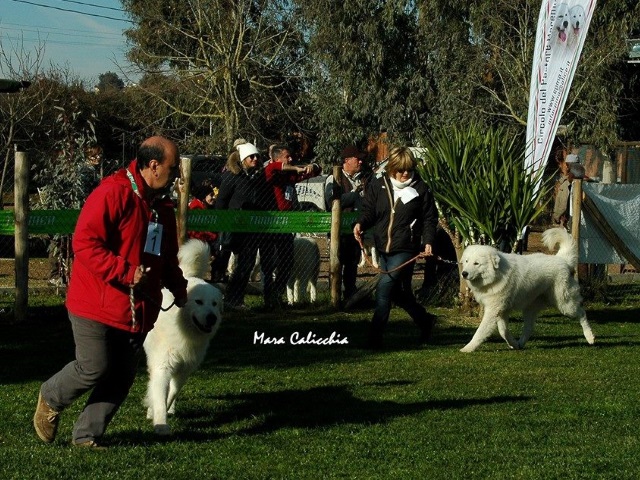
[562,29]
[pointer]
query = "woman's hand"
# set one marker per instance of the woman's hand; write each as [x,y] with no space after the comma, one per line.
[357,232]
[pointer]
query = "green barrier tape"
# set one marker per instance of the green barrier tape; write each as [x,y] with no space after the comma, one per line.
[63,221]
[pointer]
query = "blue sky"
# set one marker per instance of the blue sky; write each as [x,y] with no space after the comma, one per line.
[87,42]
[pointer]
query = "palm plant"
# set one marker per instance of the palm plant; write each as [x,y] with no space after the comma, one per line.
[484,192]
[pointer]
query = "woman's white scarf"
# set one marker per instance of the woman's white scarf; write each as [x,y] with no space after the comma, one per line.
[403,190]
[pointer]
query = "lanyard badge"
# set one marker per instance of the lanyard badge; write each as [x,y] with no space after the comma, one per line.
[154,239]
[154,230]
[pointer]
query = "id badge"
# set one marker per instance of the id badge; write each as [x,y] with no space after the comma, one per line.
[154,239]
[288,193]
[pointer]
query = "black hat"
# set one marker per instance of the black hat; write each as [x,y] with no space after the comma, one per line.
[352,151]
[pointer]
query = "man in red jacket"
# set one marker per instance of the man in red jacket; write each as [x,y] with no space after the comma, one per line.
[125,251]
[283,176]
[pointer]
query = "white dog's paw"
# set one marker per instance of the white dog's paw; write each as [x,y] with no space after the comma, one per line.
[162,429]
[590,338]
[149,413]
[468,348]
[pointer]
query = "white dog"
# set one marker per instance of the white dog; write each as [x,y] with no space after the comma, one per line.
[305,270]
[179,340]
[576,17]
[502,283]
[562,21]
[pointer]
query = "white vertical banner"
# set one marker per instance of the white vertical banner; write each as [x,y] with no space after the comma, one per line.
[562,29]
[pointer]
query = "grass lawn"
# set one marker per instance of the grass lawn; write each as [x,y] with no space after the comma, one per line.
[557,410]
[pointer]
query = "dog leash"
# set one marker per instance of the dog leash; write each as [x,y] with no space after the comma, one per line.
[450,262]
[132,302]
[368,259]
[420,255]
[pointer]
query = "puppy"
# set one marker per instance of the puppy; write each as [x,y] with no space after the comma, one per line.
[305,270]
[180,338]
[503,283]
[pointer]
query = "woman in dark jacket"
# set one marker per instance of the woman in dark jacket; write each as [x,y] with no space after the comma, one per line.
[401,210]
[244,187]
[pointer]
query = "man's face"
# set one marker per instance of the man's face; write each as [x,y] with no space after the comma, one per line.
[352,165]
[167,171]
[285,157]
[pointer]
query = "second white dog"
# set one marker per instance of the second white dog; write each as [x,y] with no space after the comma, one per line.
[179,340]
[503,283]
[305,270]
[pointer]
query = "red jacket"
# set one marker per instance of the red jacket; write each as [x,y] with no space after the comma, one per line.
[280,180]
[108,245]
[209,237]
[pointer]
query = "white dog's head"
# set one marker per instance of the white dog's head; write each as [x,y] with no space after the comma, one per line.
[576,17]
[562,21]
[480,264]
[204,306]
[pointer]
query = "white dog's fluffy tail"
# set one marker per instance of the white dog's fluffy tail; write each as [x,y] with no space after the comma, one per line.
[568,248]
[195,258]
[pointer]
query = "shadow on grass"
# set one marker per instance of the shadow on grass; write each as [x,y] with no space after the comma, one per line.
[614,315]
[36,348]
[326,406]
[602,342]
[267,412]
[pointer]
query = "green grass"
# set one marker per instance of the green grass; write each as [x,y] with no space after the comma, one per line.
[559,409]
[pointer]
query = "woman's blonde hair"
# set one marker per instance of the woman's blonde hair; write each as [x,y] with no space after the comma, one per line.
[400,158]
[234,165]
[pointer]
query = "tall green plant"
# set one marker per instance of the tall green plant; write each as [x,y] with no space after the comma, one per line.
[484,192]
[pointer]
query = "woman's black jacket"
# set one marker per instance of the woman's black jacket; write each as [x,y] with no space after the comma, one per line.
[399,227]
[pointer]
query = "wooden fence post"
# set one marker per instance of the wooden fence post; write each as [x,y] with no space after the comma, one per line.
[183,198]
[21,201]
[335,272]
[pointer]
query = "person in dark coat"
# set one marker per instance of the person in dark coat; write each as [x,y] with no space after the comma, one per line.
[401,210]
[353,183]
[244,187]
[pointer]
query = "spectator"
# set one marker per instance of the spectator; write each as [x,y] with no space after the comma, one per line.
[125,246]
[562,207]
[282,176]
[204,198]
[244,187]
[351,190]
[401,210]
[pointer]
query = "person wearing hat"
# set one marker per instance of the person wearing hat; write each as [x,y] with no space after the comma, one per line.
[352,186]
[244,187]
[561,207]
